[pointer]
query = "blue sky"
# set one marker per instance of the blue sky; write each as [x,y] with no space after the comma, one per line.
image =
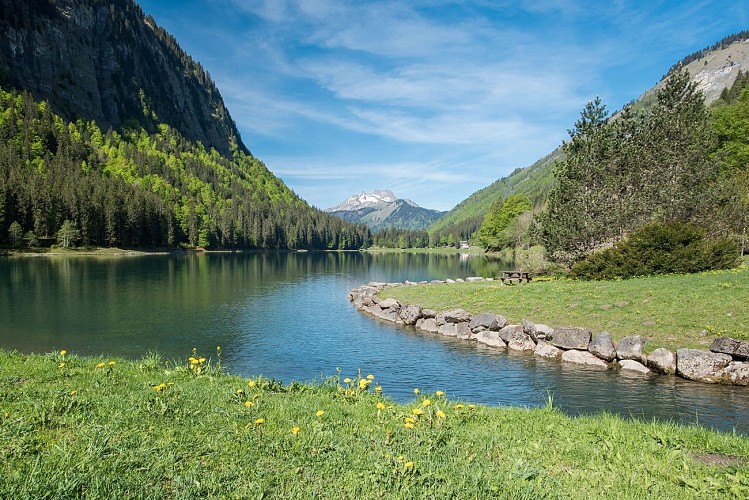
[430,99]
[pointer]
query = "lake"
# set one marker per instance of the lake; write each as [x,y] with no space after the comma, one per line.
[286,316]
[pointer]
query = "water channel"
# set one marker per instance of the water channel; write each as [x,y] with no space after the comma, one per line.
[286,316]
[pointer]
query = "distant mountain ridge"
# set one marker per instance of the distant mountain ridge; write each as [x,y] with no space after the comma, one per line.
[382,209]
[713,68]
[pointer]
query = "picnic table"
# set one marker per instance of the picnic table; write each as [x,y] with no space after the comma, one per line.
[512,277]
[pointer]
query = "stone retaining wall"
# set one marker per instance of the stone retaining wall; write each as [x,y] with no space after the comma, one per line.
[725,362]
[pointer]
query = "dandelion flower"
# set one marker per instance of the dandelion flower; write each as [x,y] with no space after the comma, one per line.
[239,391]
[63,352]
[259,421]
[73,392]
[426,403]
[380,406]
[347,380]
[471,406]
[201,360]
[378,389]
[409,465]
[458,406]
[409,425]
[111,363]
[416,390]
[248,404]
[61,365]
[417,411]
[295,430]
[440,414]
[320,413]
[363,383]
[439,393]
[370,377]
[252,383]
[400,458]
[409,420]
[100,365]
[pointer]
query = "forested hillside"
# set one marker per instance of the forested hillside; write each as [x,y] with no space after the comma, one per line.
[111,135]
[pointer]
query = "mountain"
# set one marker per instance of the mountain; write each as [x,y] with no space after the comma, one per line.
[110,130]
[714,68]
[382,209]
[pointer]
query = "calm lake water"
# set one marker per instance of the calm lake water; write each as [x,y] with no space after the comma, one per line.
[286,316]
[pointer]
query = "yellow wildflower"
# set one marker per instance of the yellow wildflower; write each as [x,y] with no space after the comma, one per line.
[416,390]
[111,363]
[471,406]
[426,403]
[347,380]
[439,393]
[252,383]
[255,396]
[61,365]
[409,465]
[409,420]
[201,360]
[440,414]
[458,406]
[380,406]
[370,377]
[295,430]
[417,411]
[259,421]
[248,404]
[100,365]
[409,425]
[63,352]
[363,383]
[378,389]
[239,391]
[73,392]
[160,387]
[320,413]
[400,458]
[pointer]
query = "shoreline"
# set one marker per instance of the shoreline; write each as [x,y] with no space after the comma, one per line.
[726,362]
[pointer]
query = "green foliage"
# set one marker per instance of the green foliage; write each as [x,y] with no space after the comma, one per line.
[136,188]
[15,233]
[67,235]
[659,248]
[104,428]
[496,230]
[619,174]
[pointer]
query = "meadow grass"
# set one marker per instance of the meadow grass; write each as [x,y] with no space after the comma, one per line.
[670,311]
[111,428]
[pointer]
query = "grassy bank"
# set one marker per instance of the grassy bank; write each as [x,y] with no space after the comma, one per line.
[669,311]
[438,250]
[74,426]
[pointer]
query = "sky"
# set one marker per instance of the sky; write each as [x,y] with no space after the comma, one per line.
[431,99]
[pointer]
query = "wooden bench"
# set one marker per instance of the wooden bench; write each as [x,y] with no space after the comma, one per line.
[512,277]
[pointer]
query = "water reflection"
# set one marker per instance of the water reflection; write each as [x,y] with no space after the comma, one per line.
[286,316]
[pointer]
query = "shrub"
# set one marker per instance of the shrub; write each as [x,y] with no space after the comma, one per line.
[659,248]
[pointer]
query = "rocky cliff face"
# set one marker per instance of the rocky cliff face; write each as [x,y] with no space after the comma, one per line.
[106,61]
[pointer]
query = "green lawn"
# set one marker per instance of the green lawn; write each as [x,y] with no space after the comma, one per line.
[669,311]
[84,427]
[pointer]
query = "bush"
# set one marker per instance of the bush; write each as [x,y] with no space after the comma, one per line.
[659,248]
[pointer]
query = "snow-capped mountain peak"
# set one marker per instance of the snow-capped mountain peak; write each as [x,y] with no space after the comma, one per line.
[362,200]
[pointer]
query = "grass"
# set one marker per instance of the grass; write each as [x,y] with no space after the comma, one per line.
[668,311]
[96,427]
[474,250]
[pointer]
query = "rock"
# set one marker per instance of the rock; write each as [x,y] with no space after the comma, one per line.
[702,365]
[571,338]
[603,346]
[633,366]
[410,314]
[735,348]
[529,328]
[474,279]
[544,331]
[449,281]
[427,325]
[390,304]
[491,338]
[463,331]
[428,313]
[485,320]
[546,350]
[738,373]
[440,318]
[584,358]
[460,280]
[662,361]
[521,341]
[631,348]
[457,316]
[506,332]
[449,329]
[374,310]
[390,315]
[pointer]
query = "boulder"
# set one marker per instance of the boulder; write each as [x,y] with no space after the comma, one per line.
[490,338]
[702,365]
[374,310]
[506,332]
[571,338]
[735,348]
[440,318]
[529,328]
[389,315]
[738,373]
[449,329]
[428,313]
[602,346]
[427,325]
[390,304]
[460,280]
[485,320]
[521,341]
[457,316]
[662,361]
[546,350]
[474,279]
[633,366]
[544,331]
[463,331]
[631,348]
[410,314]
[449,281]
[584,358]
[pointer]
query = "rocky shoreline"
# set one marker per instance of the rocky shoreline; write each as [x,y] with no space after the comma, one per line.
[726,362]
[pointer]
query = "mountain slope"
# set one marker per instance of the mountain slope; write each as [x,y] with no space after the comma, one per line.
[106,123]
[382,209]
[714,69]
